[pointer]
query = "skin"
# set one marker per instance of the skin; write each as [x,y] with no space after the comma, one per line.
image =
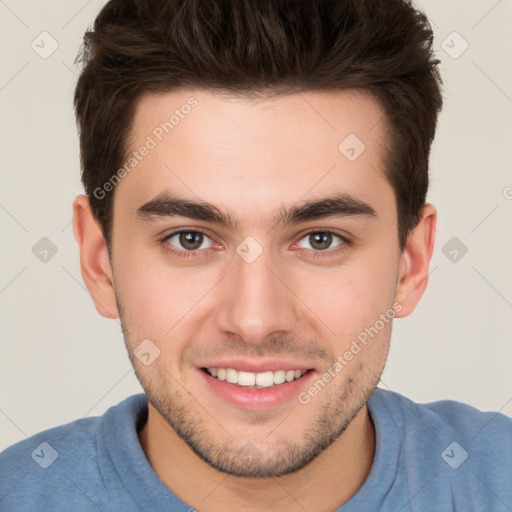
[252,158]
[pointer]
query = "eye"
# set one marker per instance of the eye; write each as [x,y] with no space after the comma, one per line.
[322,241]
[187,241]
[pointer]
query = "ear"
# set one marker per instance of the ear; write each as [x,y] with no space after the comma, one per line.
[94,260]
[414,261]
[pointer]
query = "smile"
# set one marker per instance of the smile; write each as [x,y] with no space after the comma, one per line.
[255,380]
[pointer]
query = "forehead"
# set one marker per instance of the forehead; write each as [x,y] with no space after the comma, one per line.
[256,154]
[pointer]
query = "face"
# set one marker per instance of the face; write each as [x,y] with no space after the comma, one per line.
[287,270]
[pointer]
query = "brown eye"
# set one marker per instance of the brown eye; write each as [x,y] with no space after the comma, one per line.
[320,240]
[188,240]
[191,240]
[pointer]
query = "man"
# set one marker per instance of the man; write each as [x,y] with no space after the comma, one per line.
[256,175]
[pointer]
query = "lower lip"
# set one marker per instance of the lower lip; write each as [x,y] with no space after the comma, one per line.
[257,399]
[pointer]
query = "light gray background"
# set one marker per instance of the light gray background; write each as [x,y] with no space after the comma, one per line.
[60,360]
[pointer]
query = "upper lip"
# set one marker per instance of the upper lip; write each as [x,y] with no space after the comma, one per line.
[267,365]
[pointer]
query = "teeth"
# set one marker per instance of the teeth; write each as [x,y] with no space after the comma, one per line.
[231,376]
[249,379]
[279,377]
[265,379]
[246,378]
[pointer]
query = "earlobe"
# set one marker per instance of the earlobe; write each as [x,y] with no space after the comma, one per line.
[414,262]
[94,260]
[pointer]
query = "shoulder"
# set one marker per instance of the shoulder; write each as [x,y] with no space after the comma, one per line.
[449,450]
[464,420]
[60,461]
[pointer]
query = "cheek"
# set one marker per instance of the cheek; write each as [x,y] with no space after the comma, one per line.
[348,297]
[158,298]
[147,294]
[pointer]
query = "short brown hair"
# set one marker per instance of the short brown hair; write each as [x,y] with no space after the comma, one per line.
[139,47]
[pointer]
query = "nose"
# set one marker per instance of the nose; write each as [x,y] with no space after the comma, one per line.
[256,301]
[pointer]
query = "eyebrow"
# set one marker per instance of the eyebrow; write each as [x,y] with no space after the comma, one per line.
[336,205]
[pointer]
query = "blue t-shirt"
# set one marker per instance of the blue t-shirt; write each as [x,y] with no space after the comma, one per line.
[442,456]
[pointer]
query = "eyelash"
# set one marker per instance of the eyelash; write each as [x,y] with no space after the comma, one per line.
[194,254]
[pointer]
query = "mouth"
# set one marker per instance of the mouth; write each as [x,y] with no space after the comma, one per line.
[253,380]
[262,390]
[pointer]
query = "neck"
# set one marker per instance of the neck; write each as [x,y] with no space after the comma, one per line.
[326,483]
